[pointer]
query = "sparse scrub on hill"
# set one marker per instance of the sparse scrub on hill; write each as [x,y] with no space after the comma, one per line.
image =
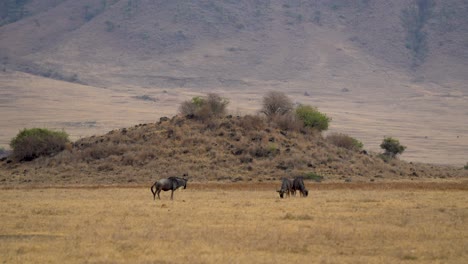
[313,176]
[35,142]
[413,19]
[103,150]
[317,17]
[223,149]
[288,122]
[312,118]
[276,103]
[252,122]
[12,11]
[130,8]
[110,26]
[345,141]
[392,147]
[204,108]
[90,11]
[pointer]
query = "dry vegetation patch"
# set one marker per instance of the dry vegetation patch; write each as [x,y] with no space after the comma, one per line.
[122,225]
[247,149]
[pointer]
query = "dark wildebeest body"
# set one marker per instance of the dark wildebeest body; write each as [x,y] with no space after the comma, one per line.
[286,186]
[171,183]
[298,185]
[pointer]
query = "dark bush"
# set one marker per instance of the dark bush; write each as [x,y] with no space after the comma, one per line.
[345,141]
[392,147]
[35,142]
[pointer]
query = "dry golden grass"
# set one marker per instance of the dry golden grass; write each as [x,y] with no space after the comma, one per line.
[234,224]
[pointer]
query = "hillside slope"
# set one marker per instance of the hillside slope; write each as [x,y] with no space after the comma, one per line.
[209,40]
[244,148]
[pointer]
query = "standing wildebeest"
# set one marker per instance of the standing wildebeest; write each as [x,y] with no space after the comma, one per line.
[286,186]
[298,185]
[171,183]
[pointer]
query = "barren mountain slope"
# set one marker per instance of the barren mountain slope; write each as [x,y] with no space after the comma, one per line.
[243,39]
[346,57]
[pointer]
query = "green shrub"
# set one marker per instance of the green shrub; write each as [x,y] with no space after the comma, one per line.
[466,166]
[392,147]
[345,141]
[35,142]
[312,118]
[204,107]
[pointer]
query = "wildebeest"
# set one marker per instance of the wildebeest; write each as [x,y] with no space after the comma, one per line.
[286,185]
[171,183]
[298,185]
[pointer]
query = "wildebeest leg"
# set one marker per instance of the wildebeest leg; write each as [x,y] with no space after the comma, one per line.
[172,194]
[153,192]
[158,191]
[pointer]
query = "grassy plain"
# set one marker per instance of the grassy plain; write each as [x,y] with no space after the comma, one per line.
[231,223]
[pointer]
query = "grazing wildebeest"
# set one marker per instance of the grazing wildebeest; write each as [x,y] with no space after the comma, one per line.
[286,186]
[171,183]
[298,185]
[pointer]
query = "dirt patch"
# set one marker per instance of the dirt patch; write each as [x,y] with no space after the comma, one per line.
[266,186]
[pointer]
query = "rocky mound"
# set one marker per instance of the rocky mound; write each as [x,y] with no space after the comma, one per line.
[247,148]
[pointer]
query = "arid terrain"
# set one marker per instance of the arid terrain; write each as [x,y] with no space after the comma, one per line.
[246,148]
[113,74]
[231,223]
[92,66]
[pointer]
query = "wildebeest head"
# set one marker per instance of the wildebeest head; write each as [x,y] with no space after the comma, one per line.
[306,193]
[281,193]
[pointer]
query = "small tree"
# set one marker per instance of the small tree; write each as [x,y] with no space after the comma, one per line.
[35,142]
[312,117]
[392,147]
[276,103]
